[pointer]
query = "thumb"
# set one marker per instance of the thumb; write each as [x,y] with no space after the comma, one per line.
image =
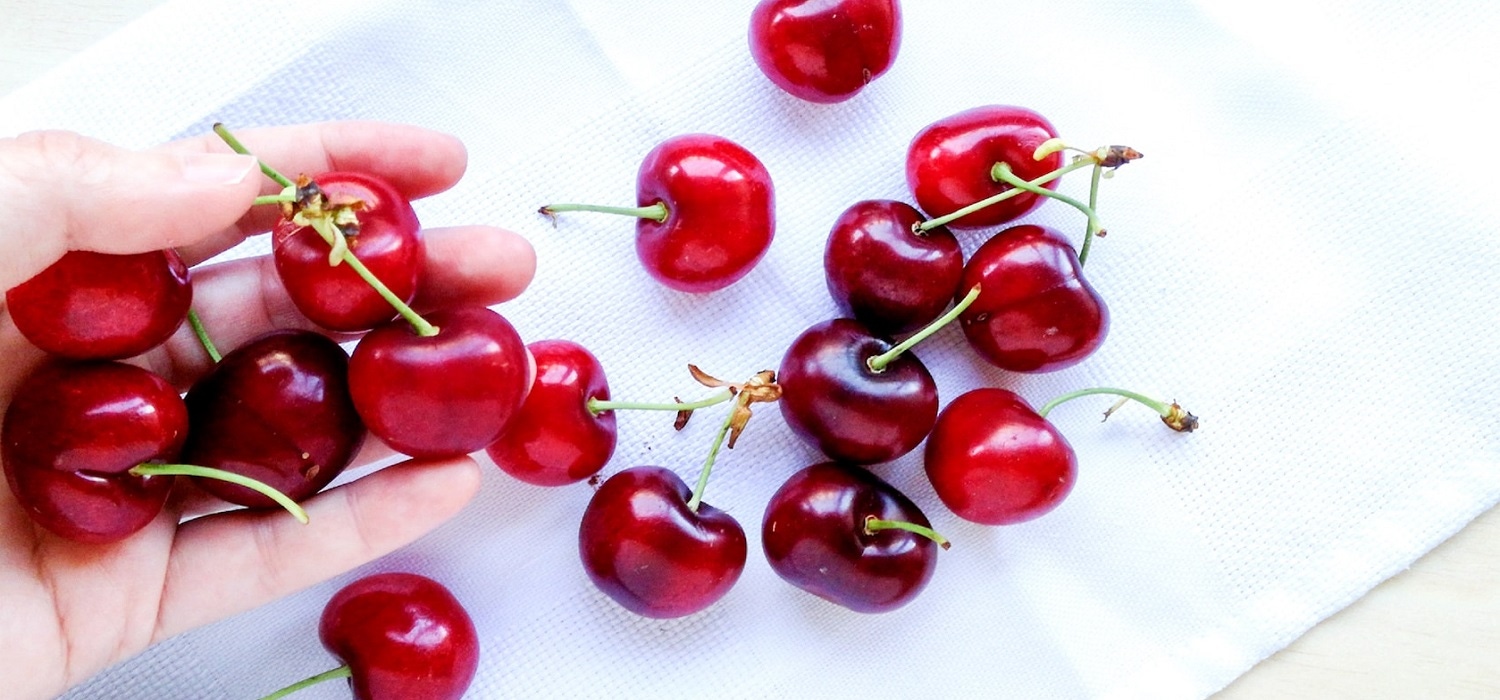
[70,192]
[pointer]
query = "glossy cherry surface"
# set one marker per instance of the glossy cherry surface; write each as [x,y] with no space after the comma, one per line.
[277,410]
[816,537]
[554,439]
[72,434]
[993,460]
[831,398]
[444,395]
[825,50]
[643,546]
[94,306]
[948,163]
[388,242]
[882,273]
[404,637]
[1035,312]
[720,212]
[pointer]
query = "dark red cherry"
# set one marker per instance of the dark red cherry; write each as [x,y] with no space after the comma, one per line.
[993,460]
[886,275]
[832,399]
[403,636]
[444,395]
[818,536]
[387,241]
[1036,312]
[825,50]
[276,409]
[71,435]
[94,306]
[555,439]
[645,548]
[948,163]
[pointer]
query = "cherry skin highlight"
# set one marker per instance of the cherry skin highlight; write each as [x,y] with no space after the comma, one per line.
[72,434]
[388,242]
[1036,312]
[825,51]
[886,275]
[644,548]
[815,537]
[444,395]
[949,162]
[554,439]
[993,460]
[95,306]
[404,637]
[276,409]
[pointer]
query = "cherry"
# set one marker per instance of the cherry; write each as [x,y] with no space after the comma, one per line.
[1037,313]
[885,272]
[825,51]
[844,535]
[706,212]
[949,162]
[555,438]
[651,546]
[95,306]
[442,393]
[276,409]
[385,238]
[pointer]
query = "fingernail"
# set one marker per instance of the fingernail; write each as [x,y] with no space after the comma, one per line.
[217,168]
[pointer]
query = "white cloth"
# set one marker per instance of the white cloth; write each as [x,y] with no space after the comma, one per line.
[1305,258]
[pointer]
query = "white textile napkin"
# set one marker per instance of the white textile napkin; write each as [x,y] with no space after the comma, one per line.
[1305,257]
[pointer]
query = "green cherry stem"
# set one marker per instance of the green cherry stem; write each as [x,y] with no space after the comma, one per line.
[597,406]
[879,362]
[930,224]
[656,212]
[340,672]
[286,196]
[708,465]
[202,333]
[1003,173]
[1175,416]
[193,470]
[237,147]
[874,525]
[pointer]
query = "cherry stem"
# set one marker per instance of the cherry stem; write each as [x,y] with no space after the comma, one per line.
[874,525]
[237,147]
[879,362]
[193,470]
[708,465]
[283,197]
[310,681]
[1090,233]
[930,224]
[1175,416]
[202,333]
[656,212]
[597,406]
[1003,173]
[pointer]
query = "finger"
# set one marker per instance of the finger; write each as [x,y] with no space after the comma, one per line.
[417,162]
[225,564]
[65,191]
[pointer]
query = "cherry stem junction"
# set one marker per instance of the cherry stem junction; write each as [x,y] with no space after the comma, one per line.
[202,333]
[193,470]
[878,363]
[930,224]
[1175,416]
[340,672]
[874,525]
[656,212]
[1003,173]
[597,406]
[713,454]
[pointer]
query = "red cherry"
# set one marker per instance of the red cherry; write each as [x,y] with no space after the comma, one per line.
[1036,312]
[70,437]
[276,409]
[948,163]
[403,636]
[388,242]
[825,50]
[645,548]
[993,460]
[555,439]
[443,395]
[834,400]
[818,536]
[883,273]
[93,306]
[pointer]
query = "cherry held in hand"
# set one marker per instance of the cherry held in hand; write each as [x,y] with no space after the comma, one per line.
[93,306]
[949,163]
[823,51]
[887,274]
[555,439]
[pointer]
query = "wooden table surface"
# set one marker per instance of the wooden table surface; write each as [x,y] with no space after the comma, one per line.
[1431,632]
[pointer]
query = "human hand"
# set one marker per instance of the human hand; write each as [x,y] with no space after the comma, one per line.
[70,610]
